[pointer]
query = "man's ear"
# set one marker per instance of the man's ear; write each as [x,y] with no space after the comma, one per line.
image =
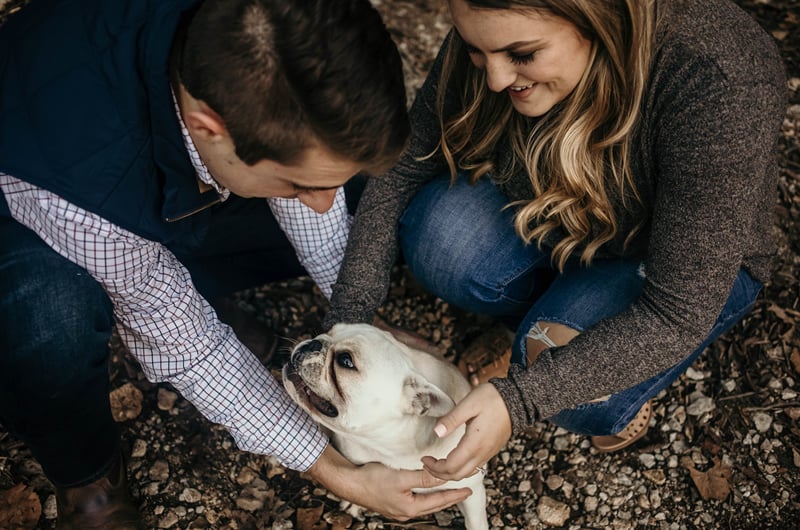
[204,124]
[425,399]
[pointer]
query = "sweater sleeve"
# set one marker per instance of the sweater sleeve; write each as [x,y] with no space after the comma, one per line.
[372,246]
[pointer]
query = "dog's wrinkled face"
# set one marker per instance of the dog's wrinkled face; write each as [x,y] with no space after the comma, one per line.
[357,379]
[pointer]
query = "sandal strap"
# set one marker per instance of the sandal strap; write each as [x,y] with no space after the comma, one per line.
[635,429]
[639,422]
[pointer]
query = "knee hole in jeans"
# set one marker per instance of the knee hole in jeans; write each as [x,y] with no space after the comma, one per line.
[543,335]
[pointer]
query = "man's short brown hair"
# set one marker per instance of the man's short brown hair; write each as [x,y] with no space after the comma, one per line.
[283,74]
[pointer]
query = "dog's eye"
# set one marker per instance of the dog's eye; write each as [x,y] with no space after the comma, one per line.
[344,360]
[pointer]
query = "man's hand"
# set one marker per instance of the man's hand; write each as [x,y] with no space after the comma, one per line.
[381,489]
[488,431]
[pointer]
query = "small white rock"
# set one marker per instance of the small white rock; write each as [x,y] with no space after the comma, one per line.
[168,521]
[762,421]
[647,460]
[49,509]
[554,482]
[551,512]
[139,448]
[249,504]
[190,495]
[700,406]
[694,375]
[590,504]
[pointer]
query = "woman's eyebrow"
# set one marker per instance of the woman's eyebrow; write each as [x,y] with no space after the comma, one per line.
[509,47]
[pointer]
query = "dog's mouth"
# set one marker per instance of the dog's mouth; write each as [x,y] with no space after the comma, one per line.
[325,407]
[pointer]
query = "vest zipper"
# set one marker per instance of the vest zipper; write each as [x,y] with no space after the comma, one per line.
[192,212]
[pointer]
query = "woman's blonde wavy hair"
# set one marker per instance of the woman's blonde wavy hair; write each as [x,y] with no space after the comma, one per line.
[582,146]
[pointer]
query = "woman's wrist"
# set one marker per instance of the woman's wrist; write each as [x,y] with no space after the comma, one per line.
[522,413]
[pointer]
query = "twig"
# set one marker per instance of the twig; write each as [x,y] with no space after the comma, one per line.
[772,407]
[737,396]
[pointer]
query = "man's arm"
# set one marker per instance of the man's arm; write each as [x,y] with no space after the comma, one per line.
[318,239]
[171,329]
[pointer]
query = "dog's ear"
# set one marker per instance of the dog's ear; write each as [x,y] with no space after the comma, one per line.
[425,399]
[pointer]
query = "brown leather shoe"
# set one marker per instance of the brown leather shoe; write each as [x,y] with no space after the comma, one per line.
[488,356]
[105,504]
[256,335]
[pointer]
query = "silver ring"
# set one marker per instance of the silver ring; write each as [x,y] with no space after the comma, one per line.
[481,469]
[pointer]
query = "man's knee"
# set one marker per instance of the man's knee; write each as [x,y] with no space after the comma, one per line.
[55,320]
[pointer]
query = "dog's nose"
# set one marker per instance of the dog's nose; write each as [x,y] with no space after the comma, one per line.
[312,345]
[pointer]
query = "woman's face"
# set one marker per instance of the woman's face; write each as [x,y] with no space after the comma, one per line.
[536,58]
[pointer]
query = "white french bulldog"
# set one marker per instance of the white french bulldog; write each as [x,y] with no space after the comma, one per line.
[380,400]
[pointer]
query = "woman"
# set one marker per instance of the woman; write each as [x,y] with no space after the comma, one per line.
[601,174]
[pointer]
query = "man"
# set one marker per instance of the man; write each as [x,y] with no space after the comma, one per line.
[136,138]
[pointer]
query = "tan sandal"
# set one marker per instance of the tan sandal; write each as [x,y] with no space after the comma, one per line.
[632,432]
[487,356]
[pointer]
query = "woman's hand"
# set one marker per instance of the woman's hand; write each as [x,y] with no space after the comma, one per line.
[381,489]
[488,431]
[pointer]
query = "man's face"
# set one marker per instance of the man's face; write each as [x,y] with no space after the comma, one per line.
[313,180]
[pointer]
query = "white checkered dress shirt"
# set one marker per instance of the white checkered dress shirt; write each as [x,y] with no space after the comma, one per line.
[173,331]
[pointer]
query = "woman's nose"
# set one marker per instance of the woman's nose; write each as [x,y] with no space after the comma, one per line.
[499,74]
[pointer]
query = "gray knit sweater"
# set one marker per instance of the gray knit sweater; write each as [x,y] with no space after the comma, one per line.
[705,166]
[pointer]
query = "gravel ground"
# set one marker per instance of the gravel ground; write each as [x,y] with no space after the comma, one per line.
[723,450]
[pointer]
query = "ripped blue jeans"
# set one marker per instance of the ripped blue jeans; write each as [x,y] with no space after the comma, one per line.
[461,246]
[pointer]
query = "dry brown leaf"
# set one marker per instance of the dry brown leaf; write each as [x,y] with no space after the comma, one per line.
[126,402]
[309,518]
[20,508]
[789,335]
[338,520]
[710,447]
[795,358]
[779,312]
[780,34]
[712,484]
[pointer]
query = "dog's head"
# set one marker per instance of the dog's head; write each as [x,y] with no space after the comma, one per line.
[357,379]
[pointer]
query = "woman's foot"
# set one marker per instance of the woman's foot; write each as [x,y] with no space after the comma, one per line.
[632,432]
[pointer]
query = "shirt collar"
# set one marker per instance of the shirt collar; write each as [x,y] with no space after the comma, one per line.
[203,174]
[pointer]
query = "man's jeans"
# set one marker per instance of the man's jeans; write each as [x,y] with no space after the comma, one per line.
[460,244]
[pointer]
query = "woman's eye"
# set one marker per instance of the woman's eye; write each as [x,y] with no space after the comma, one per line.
[524,58]
[344,360]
